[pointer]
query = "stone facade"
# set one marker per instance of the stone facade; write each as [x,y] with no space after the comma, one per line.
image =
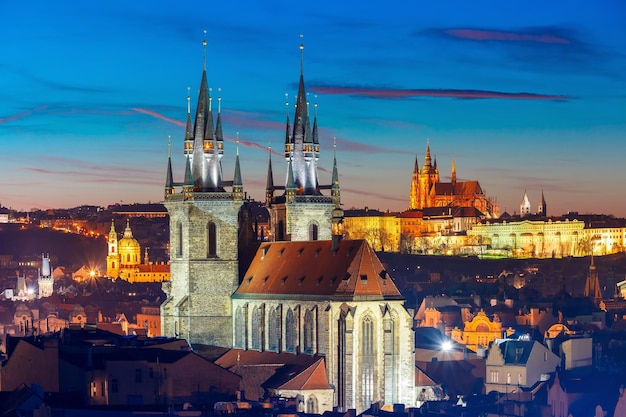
[198,306]
[306,218]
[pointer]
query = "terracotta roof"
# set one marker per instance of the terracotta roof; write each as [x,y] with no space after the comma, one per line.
[273,370]
[294,378]
[463,188]
[154,268]
[314,268]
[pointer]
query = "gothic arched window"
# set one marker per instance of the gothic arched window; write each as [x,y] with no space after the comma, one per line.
[280,235]
[311,405]
[368,360]
[211,240]
[273,330]
[256,330]
[240,329]
[313,231]
[290,332]
[309,332]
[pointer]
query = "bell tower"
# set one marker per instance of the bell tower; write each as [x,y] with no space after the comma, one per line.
[204,261]
[302,212]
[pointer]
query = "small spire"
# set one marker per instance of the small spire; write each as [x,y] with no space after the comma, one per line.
[335,190]
[237,181]
[453,173]
[219,100]
[237,144]
[188,100]
[269,187]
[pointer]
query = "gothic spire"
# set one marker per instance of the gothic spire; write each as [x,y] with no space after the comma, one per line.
[453,173]
[237,181]
[269,187]
[169,180]
[335,190]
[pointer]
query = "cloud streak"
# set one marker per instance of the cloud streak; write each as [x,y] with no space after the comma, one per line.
[158,116]
[506,36]
[399,93]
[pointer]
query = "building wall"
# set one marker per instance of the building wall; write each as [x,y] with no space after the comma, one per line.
[198,306]
[393,360]
[31,365]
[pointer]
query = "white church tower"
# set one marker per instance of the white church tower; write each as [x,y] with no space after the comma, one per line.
[45,279]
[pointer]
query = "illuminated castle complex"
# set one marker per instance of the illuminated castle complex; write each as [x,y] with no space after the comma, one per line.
[428,191]
[305,292]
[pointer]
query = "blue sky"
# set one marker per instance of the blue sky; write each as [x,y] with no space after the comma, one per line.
[525,96]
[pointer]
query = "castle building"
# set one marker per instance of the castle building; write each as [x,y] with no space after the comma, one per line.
[427,190]
[124,259]
[305,292]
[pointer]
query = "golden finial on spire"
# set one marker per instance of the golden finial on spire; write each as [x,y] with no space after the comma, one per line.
[301,53]
[287,104]
[237,146]
[169,146]
[204,46]
[219,100]
[210,99]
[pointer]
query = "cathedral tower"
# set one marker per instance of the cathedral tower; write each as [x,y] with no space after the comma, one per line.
[302,212]
[204,261]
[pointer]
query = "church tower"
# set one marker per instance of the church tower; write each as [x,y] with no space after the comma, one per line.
[204,260]
[592,285]
[302,212]
[45,280]
[542,209]
[524,207]
[113,256]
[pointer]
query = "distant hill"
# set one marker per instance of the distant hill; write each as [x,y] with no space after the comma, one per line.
[67,248]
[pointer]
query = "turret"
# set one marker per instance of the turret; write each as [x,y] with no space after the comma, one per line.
[290,188]
[188,145]
[269,187]
[237,181]
[334,190]
[169,179]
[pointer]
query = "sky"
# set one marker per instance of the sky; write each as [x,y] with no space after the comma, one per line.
[524,96]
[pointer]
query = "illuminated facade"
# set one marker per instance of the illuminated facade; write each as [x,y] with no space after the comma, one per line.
[306,291]
[428,191]
[124,259]
[479,332]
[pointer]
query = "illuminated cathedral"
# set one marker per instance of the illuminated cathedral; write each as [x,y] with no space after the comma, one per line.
[307,291]
[427,190]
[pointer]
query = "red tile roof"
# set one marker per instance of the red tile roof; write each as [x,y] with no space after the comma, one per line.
[314,268]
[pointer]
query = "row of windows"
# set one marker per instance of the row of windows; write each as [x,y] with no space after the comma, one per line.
[275,333]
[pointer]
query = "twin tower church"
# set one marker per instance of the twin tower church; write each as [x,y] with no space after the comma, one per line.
[307,291]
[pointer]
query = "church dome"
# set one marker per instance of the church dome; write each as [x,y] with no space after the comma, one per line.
[128,248]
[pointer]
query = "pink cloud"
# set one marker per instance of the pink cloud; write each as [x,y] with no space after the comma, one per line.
[158,116]
[250,120]
[494,35]
[447,93]
[21,115]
